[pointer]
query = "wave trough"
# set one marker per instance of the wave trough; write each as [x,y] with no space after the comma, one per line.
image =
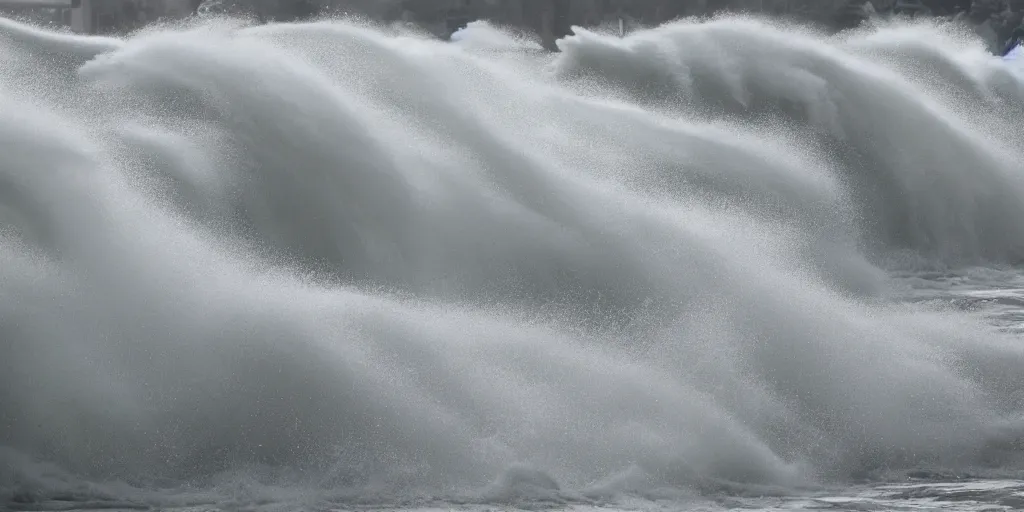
[367,262]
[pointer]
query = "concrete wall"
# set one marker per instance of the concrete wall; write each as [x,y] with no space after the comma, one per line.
[551,19]
[81,18]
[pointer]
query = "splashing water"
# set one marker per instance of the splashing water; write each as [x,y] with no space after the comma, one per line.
[343,261]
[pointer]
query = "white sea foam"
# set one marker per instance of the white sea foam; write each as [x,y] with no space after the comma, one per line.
[326,261]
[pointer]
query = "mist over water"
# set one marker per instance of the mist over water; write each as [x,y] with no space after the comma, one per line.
[344,258]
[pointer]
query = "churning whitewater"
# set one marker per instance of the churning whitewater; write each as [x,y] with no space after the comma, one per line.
[717,257]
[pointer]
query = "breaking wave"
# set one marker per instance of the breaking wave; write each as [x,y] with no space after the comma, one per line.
[347,258]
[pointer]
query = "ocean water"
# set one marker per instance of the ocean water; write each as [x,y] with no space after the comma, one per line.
[718,264]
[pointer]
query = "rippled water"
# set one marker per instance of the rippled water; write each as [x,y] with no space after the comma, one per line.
[727,264]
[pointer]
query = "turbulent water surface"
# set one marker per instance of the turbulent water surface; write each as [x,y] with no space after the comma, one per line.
[725,264]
